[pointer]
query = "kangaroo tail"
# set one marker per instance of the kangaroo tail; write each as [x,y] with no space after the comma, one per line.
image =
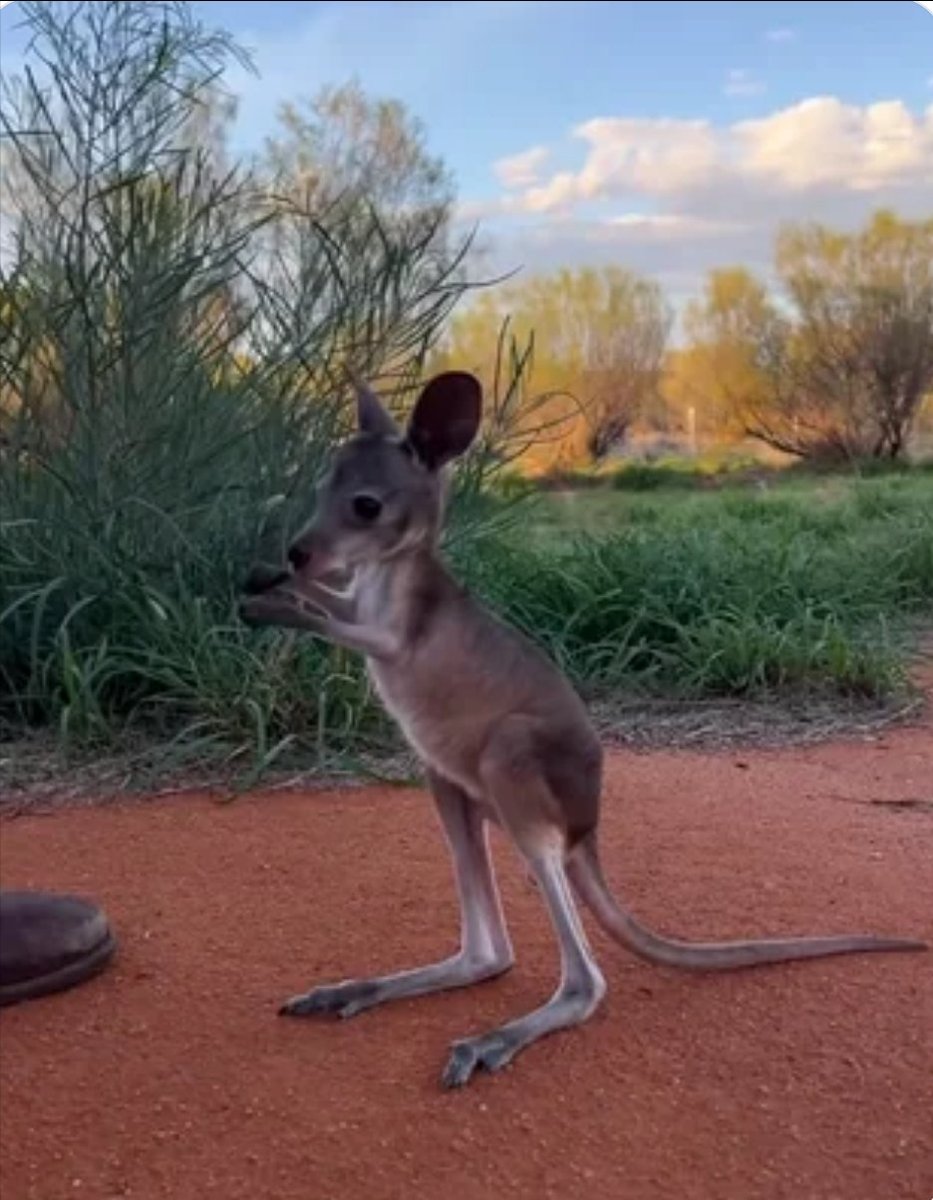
[585,872]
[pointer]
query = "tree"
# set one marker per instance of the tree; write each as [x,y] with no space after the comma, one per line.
[122,233]
[359,169]
[599,339]
[839,363]
[624,323]
[343,148]
[851,370]
[718,373]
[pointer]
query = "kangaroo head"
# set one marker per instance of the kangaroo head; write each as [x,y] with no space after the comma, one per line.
[382,494]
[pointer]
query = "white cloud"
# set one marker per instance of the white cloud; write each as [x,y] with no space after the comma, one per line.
[780,35]
[669,225]
[818,143]
[522,170]
[740,81]
[824,143]
[674,197]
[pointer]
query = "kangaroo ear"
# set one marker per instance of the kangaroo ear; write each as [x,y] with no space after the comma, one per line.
[371,416]
[446,418]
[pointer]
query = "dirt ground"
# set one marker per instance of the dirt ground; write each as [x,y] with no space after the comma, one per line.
[171,1076]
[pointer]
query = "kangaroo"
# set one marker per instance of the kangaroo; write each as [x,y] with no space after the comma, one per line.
[502,735]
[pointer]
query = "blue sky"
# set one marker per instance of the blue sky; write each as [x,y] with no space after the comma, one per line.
[493,78]
[667,136]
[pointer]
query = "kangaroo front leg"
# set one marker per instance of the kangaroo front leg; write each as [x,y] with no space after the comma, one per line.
[580,990]
[485,950]
[327,616]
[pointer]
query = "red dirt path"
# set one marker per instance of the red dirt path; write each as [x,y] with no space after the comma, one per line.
[170,1075]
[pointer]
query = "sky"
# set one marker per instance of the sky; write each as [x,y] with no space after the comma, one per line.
[665,137]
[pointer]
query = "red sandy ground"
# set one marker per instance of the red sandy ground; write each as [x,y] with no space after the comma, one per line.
[171,1076]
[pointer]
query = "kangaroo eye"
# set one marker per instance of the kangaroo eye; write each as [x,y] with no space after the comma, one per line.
[367,508]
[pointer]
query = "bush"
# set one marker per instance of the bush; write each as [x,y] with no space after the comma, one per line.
[645,477]
[171,348]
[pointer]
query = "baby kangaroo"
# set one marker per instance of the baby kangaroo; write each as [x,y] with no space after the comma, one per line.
[501,733]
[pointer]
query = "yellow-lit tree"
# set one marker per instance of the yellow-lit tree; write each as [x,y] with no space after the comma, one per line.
[718,373]
[838,365]
[851,368]
[599,338]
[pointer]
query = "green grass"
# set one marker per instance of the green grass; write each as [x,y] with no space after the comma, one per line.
[716,468]
[810,588]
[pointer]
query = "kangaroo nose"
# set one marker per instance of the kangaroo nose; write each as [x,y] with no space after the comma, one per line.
[298,557]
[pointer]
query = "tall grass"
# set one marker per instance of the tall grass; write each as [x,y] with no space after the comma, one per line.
[735,593]
[171,350]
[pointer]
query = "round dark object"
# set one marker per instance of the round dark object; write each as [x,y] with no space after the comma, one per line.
[49,942]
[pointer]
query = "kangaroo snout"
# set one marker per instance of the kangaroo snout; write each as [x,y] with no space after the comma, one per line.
[315,555]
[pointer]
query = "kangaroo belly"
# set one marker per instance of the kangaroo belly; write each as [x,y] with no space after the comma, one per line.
[446,732]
